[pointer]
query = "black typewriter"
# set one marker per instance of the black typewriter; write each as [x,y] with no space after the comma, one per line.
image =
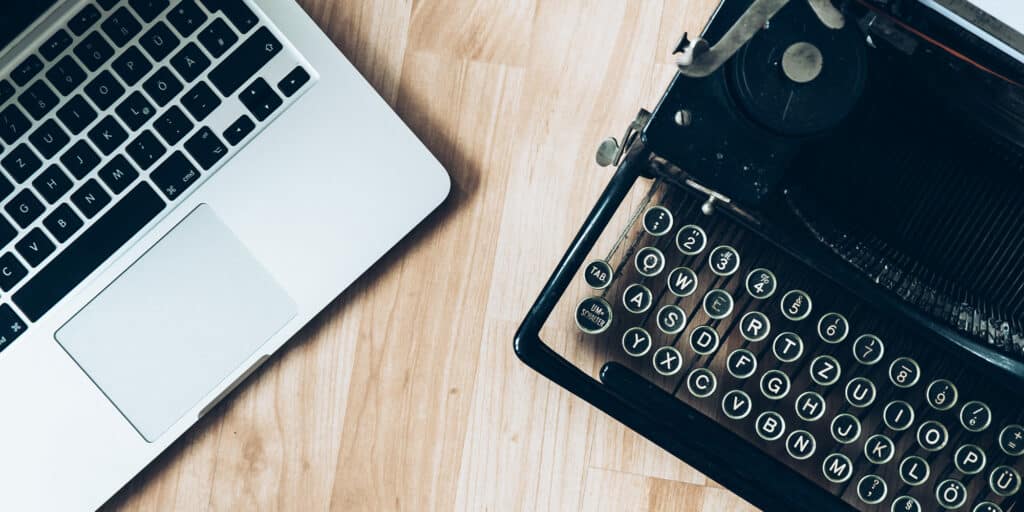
[806,276]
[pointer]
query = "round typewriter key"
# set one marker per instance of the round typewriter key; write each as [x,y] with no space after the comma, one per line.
[845,428]
[704,340]
[932,436]
[788,347]
[969,459]
[718,303]
[761,283]
[904,372]
[871,489]
[593,315]
[914,470]
[636,341]
[975,416]
[833,328]
[754,326]
[837,468]
[868,349]
[796,305]
[825,370]
[1004,481]
[951,494]
[879,449]
[1011,440]
[736,404]
[691,240]
[667,361]
[701,382]
[905,504]
[941,394]
[598,274]
[649,261]
[741,363]
[898,415]
[671,319]
[774,385]
[860,392]
[724,260]
[800,444]
[770,426]
[986,506]
[810,406]
[657,220]
[682,281]
[637,298]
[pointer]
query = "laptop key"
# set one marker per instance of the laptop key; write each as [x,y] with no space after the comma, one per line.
[65,75]
[80,159]
[132,65]
[107,4]
[159,41]
[34,247]
[90,198]
[148,10]
[174,175]
[24,208]
[109,233]
[217,37]
[25,71]
[38,100]
[57,43]
[173,125]
[239,14]
[146,149]
[7,232]
[293,81]
[118,174]
[190,62]
[94,51]
[84,19]
[108,135]
[121,26]
[49,138]
[186,17]
[76,114]
[21,162]
[52,183]
[62,223]
[245,61]
[206,148]
[239,129]
[163,86]
[6,91]
[104,90]
[260,99]
[13,124]
[11,271]
[200,101]
[135,110]
[11,326]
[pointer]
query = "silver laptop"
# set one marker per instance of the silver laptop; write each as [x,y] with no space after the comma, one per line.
[183,185]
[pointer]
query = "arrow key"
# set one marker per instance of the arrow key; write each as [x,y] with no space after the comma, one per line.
[239,129]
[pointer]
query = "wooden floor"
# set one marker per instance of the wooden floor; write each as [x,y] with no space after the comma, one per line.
[405,393]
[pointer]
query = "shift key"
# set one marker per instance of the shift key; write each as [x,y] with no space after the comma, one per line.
[245,61]
[175,175]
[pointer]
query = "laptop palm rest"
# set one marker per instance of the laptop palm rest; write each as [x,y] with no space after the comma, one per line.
[174,325]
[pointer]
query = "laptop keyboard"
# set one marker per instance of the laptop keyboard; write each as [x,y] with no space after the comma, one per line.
[121,111]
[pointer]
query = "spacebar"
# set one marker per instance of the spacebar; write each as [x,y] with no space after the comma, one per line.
[91,249]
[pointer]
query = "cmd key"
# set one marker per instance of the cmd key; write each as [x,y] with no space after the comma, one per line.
[245,61]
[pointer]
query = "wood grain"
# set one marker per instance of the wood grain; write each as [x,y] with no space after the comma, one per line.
[405,394]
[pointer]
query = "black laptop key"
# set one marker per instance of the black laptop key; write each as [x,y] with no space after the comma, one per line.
[121,26]
[104,90]
[34,247]
[206,148]
[132,65]
[52,183]
[149,9]
[88,251]
[85,18]
[240,15]
[293,81]
[260,99]
[5,190]
[62,222]
[13,124]
[108,135]
[243,63]
[200,101]
[29,68]
[6,91]
[174,175]
[21,162]
[7,232]
[11,271]
[118,174]
[79,159]
[11,326]
[94,51]
[163,86]
[57,43]
[239,129]
[173,125]
[107,4]
[186,17]
[49,138]
[76,114]
[159,41]
[90,198]
[135,110]
[146,150]
[38,100]
[24,207]
[217,37]
[65,75]
[190,62]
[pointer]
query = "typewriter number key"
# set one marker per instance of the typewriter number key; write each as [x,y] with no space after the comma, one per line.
[761,283]
[657,220]
[796,305]
[736,404]
[788,347]
[906,504]
[868,349]
[682,281]
[833,328]
[975,416]
[800,444]
[671,319]
[649,261]
[941,395]
[837,468]
[637,298]
[904,372]
[598,274]
[593,315]
[718,303]
[969,459]
[667,361]
[636,341]
[724,260]
[691,240]
[704,340]
[701,382]
[914,470]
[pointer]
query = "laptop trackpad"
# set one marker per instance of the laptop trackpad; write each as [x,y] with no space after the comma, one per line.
[176,323]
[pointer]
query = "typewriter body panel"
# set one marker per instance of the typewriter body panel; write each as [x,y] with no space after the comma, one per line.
[809,282]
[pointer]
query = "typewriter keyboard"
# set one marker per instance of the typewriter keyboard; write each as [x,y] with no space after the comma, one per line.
[848,396]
